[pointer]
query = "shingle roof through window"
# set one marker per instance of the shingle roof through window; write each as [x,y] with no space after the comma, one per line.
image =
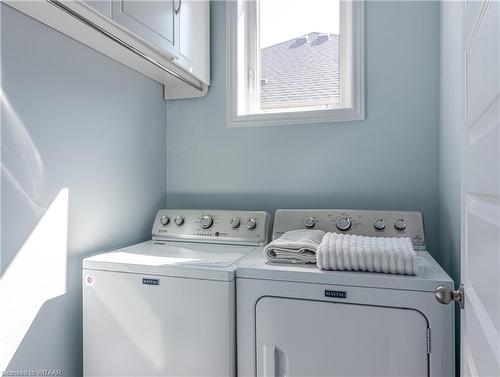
[302,69]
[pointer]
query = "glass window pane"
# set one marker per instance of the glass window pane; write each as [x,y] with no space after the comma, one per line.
[299,54]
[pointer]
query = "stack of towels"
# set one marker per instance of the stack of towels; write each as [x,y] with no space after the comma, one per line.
[295,246]
[333,251]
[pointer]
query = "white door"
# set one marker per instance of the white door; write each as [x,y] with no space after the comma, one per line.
[480,331]
[298,338]
[157,22]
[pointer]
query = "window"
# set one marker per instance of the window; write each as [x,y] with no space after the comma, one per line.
[294,61]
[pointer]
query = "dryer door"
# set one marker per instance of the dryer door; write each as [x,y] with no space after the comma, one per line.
[314,338]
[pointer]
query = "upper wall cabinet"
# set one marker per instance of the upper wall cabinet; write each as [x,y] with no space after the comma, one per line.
[101,6]
[157,22]
[168,41]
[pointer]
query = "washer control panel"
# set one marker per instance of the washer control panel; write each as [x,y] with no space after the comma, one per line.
[360,222]
[215,226]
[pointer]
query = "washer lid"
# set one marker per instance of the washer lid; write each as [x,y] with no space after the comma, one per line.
[193,260]
[430,274]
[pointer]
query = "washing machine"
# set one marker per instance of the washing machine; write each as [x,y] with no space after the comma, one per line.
[295,320]
[166,307]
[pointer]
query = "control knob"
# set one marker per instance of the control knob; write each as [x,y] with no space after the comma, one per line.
[179,220]
[164,220]
[251,223]
[235,222]
[206,222]
[309,222]
[343,223]
[400,224]
[379,224]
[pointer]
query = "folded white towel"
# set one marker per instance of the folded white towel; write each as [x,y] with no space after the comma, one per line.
[361,253]
[295,246]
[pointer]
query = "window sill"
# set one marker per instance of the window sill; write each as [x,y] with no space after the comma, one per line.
[296,117]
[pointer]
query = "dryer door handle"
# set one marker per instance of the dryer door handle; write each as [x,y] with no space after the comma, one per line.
[269,360]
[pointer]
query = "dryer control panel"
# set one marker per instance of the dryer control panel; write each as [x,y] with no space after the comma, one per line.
[352,221]
[212,226]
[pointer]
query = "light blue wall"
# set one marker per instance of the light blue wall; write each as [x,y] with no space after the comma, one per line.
[451,131]
[388,161]
[97,128]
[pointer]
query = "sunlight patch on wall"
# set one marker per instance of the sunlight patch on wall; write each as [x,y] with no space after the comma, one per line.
[21,160]
[36,274]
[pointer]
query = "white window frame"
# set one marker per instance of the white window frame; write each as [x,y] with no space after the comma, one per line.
[352,106]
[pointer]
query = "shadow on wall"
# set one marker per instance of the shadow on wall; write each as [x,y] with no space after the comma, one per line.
[37,272]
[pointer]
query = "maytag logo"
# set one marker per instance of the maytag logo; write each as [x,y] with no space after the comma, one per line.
[335,294]
[148,281]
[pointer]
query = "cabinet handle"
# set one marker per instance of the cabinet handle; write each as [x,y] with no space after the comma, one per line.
[178,9]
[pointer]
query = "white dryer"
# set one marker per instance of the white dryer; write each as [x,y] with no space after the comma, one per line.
[166,307]
[295,320]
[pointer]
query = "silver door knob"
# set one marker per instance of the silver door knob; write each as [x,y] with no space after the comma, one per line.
[444,295]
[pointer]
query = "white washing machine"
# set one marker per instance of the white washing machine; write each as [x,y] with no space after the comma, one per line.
[295,320]
[166,307]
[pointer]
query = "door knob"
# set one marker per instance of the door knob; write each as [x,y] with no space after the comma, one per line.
[444,295]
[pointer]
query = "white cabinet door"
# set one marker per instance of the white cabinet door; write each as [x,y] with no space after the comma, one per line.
[194,34]
[480,256]
[154,21]
[313,338]
[101,6]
